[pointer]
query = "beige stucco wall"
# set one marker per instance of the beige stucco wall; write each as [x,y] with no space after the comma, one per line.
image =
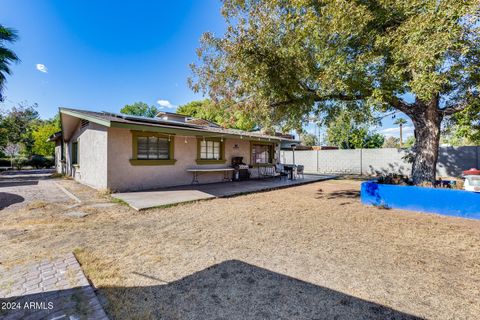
[58,156]
[122,176]
[92,161]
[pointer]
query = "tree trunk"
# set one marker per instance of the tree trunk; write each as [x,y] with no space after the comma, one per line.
[427,122]
[401,135]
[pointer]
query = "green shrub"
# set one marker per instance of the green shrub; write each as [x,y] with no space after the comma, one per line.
[20,162]
[38,161]
[49,162]
[393,178]
[35,161]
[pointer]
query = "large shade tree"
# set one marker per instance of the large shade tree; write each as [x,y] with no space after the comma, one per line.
[207,110]
[41,132]
[308,139]
[7,56]
[17,127]
[140,109]
[288,59]
[346,132]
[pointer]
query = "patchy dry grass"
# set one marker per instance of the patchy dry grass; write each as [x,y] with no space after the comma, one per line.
[38,204]
[158,262]
[119,201]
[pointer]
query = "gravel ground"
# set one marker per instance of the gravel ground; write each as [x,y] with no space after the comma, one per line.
[308,252]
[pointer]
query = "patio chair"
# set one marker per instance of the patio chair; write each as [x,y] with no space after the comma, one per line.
[300,171]
[281,170]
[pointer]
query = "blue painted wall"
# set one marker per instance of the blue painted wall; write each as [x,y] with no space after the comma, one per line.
[449,202]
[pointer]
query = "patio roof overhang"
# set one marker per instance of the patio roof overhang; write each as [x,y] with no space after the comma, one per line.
[162,128]
[55,136]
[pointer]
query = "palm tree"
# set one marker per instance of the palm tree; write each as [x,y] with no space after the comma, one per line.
[400,122]
[7,56]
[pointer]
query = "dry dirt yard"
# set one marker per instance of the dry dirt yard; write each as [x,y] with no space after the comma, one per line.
[307,252]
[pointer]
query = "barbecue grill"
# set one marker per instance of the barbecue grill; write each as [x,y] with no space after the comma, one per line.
[241,169]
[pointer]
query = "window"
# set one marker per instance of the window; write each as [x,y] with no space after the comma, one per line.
[151,149]
[155,148]
[75,152]
[62,150]
[210,150]
[261,153]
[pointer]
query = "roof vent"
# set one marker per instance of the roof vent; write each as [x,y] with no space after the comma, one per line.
[85,123]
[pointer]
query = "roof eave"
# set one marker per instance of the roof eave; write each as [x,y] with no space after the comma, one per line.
[192,131]
[90,118]
[166,128]
[55,136]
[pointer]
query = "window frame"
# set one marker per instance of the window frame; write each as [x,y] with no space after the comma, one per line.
[201,161]
[271,147]
[152,162]
[75,153]
[62,150]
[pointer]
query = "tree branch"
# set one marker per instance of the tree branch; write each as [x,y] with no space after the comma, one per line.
[318,98]
[409,109]
[342,97]
[402,106]
[282,103]
[448,111]
[336,96]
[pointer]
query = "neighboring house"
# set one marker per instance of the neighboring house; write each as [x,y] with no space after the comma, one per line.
[123,153]
[288,140]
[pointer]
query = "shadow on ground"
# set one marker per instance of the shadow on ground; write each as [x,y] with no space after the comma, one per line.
[7,199]
[237,290]
[230,290]
[341,194]
[18,183]
[344,194]
[28,172]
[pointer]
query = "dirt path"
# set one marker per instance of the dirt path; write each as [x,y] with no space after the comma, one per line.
[303,252]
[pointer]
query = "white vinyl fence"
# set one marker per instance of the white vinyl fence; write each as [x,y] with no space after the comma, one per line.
[451,161]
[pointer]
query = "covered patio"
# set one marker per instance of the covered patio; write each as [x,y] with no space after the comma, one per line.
[142,200]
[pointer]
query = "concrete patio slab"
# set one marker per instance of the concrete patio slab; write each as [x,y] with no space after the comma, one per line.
[148,199]
[162,197]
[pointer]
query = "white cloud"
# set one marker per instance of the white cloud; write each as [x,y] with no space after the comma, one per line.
[395,131]
[42,68]
[166,104]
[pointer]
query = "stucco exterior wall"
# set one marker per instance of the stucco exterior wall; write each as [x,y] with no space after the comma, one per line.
[92,155]
[58,156]
[122,176]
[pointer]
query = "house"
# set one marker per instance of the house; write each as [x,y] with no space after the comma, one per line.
[288,140]
[126,153]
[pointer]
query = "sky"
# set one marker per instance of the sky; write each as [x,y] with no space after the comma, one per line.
[101,55]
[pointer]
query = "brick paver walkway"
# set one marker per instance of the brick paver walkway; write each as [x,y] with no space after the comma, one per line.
[55,289]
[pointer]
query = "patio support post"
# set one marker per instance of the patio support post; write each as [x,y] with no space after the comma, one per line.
[293,153]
